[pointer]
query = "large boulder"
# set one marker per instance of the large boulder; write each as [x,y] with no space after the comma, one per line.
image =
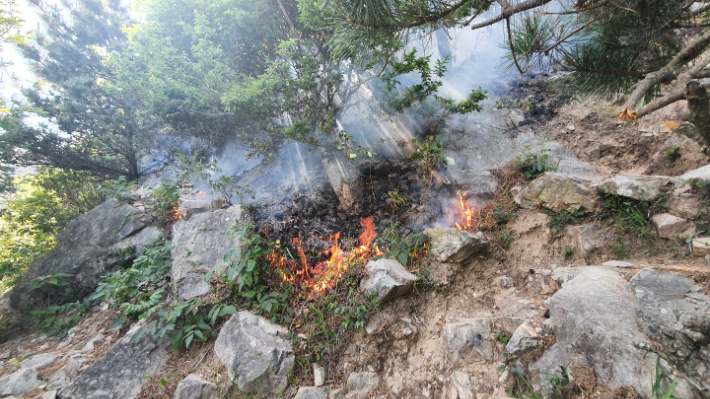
[674,313]
[199,245]
[452,245]
[88,248]
[121,373]
[638,187]
[387,279]
[557,192]
[594,320]
[19,382]
[256,353]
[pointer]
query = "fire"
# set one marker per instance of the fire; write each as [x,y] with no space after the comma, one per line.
[201,195]
[326,274]
[176,214]
[467,214]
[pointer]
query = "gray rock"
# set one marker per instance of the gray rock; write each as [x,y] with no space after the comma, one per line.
[388,279]
[193,285]
[618,263]
[701,174]
[594,320]
[452,245]
[525,337]
[469,337]
[19,382]
[673,312]
[318,375]
[505,281]
[672,227]
[50,394]
[58,380]
[194,387]
[462,384]
[638,187]
[255,352]
[360,385]
[565,273]
[701,246]
[557,192]
[38,361]
[187,208]
[547,367]
[311,393]
[199,245]
[120,374]
[85,249]
[585,236]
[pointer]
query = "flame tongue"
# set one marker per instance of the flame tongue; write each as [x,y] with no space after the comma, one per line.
[467,214]
[326,274]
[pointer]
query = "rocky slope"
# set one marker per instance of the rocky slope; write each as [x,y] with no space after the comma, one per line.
[536,306]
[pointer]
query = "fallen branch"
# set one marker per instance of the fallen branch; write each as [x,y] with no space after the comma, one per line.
[670,71]
[664,101]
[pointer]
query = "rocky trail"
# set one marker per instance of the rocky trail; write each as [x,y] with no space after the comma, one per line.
[593,284]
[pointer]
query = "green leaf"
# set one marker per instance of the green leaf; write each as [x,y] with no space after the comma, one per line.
[449,161]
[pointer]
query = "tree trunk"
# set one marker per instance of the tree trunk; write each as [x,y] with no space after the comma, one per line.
[699,107]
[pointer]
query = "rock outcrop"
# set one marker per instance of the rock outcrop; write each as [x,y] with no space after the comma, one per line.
[557,192]
[674,313]
[672,227]
[452,245]
[594,320]
[638,187]
[388,279]
[88,248]
[257,354]
[199,245]
[120,373]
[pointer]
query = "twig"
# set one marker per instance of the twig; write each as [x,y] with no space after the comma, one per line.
[203,358]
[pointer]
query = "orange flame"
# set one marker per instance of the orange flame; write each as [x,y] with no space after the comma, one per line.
[467,214]
[176,214]
[325,275]
[200,195]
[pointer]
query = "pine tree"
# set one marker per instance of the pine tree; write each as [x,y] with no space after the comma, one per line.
[89,123]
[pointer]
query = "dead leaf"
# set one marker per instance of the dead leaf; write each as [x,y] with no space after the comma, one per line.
[628,114]
[671,125]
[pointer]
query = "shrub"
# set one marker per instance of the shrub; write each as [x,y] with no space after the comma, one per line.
[533,165]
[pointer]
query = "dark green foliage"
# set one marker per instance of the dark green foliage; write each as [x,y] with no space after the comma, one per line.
[533,165]
[402,244]
[635,214]
[673,154]
[100,128]
[56,320]
[472,103]
[629,40]
[564,217]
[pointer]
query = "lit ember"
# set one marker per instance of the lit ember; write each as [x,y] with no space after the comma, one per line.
[326,274]
[201,195]
[176,214]
[466,213]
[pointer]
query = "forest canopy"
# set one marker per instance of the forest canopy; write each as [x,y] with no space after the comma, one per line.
[116,81]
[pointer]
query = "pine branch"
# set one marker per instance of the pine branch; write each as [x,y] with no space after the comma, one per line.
[509,12]
[669,72]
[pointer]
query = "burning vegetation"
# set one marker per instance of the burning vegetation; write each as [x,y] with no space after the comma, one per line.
[323,275]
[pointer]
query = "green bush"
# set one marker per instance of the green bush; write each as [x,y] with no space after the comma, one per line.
[533,165]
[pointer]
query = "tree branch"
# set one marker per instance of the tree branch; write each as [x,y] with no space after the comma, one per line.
[524,6]
[669,72]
